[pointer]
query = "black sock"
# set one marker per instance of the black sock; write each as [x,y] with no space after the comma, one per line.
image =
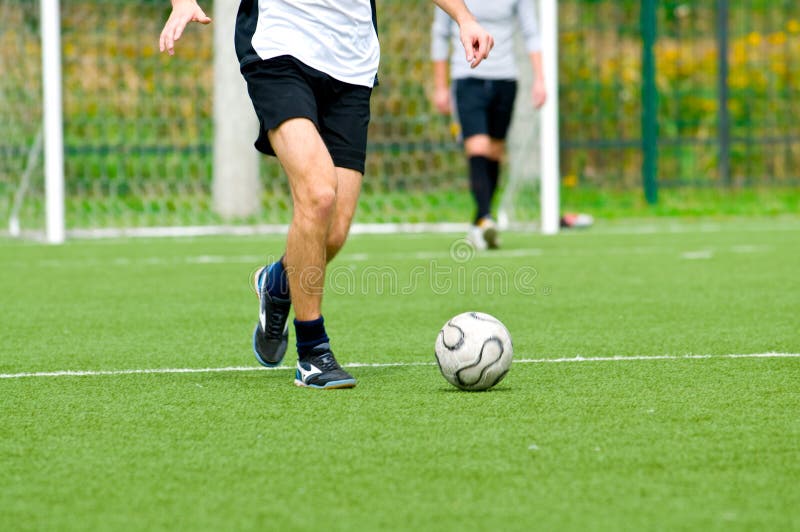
[309,335]
[494,178]
[480,185]
[277,280]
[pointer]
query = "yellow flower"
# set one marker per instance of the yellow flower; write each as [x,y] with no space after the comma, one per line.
[754,39]
[779,68]
[738,80]
[569,181]
[777,38]
[793,26]
[739,53]
[708,104]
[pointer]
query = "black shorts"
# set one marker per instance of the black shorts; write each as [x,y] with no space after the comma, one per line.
[484,106]
[282,88]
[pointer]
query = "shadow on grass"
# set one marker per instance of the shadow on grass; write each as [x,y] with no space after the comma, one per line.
[453,389]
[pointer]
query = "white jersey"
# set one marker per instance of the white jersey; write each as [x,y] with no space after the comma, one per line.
[337,37]
[498,17]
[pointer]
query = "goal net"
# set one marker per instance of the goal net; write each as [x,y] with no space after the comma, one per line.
[138,128]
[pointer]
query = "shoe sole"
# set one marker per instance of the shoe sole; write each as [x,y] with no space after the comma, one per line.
[333,385]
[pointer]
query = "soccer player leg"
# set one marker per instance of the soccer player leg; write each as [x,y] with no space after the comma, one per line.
[482,169]
[313,182]
[348,190]
[316,366]
[344,122]
[279,90]
[500,109]
[271,334]
[472,99]
[500,112]
[497,152]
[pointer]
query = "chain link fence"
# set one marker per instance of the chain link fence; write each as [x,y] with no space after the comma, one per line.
[727,81]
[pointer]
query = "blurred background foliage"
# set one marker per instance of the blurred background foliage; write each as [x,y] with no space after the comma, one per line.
[601,87]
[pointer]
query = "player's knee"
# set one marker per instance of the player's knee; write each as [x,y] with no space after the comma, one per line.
[478,146]
[317,204]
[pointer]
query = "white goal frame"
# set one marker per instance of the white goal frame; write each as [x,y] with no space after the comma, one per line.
[548,137]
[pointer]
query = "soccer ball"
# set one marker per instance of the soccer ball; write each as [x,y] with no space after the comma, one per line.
[474,351]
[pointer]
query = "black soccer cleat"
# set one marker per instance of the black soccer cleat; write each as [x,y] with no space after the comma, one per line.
[320,370]
[271,336]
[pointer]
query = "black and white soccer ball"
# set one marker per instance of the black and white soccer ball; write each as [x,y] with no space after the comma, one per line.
[474,351]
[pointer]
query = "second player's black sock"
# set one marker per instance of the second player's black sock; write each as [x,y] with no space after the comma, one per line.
[494,178]
[480,185]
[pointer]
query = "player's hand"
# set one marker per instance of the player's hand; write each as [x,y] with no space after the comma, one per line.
[183,12]
[538,94]
[441,100]
[477,42]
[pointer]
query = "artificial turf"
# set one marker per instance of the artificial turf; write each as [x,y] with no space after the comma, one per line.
[669,443]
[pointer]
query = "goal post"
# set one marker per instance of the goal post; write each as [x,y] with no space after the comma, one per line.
[549,134]
[53,121]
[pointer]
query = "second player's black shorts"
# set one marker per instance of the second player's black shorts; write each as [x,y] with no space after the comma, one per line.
[283,87]
[484,106]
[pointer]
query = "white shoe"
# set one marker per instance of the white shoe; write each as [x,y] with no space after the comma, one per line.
[475,237]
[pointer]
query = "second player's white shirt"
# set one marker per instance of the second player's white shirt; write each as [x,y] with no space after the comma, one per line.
[337,37]
[499,18]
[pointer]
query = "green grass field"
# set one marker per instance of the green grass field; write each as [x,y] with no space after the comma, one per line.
[643,437]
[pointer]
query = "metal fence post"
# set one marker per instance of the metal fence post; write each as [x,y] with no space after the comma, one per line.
[723,114]
[649,103]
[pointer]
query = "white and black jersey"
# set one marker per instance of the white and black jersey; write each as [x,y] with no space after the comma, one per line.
[337,37]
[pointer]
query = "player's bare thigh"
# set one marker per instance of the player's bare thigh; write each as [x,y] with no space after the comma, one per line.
[308,164]
[306,161]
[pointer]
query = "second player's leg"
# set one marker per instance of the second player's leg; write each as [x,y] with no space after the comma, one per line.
[483,157]
[497,154]
[489,152]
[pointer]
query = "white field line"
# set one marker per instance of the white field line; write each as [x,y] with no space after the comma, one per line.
[230,369]
[420,255]
[702,254]
[632,228]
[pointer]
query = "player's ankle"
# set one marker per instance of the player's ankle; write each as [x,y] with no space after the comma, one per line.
[309,334]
